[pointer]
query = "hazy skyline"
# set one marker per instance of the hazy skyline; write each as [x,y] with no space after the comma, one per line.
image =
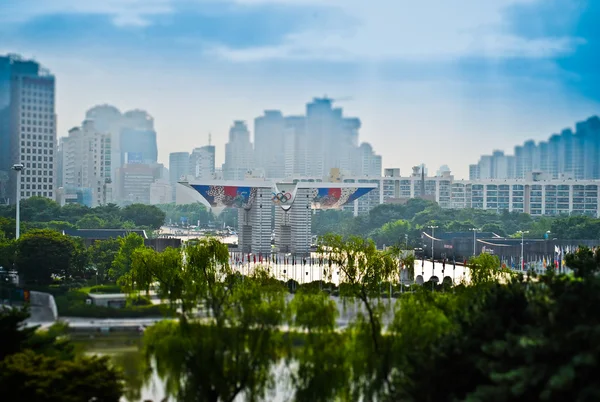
[436,82]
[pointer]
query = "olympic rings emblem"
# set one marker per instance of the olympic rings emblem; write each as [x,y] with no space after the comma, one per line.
[281,197]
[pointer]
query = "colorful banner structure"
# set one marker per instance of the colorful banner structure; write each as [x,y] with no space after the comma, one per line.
[227,196]
[328,196]
[333,198]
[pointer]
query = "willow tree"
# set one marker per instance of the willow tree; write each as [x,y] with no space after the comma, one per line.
[318,365]
[362,269]
[227,338]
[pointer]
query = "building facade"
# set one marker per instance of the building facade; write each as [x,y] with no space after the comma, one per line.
[179,165]
[202,162]
[570,155]
[134,182]
[238,153]
[87,164]
[27,127]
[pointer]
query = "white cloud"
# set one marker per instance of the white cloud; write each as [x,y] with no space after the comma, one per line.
[122,12]
[405,29]
[373,30]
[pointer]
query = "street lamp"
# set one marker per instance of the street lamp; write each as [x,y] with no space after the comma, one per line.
[432,239]
[18,167]
[475,240]
[522,233]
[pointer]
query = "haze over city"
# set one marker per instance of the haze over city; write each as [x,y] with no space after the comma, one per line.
[435,83]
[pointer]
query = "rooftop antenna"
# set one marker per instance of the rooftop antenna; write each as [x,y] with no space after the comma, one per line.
[209,139]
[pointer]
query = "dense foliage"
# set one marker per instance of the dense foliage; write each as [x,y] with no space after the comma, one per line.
[43,213]
[43,367]
[502,337]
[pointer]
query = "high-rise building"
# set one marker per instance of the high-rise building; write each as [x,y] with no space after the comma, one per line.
[238,153]
[570,154]
[27,127]
[138,138]
[269,143]
[367,163]
[178,170]
[312,145]
[202,162]
[86,164]
[132,135]
[134,182]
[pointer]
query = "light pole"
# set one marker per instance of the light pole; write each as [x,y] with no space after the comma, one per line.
[433,228]
[432,253]
[522,244]
[475,240]
[18,167]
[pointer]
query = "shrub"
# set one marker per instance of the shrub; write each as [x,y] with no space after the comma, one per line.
[104,289]
[73,304]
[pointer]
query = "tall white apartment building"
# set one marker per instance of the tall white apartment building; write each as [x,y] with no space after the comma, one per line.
[86,163]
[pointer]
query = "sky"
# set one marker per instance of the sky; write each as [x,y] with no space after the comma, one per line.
[434,81]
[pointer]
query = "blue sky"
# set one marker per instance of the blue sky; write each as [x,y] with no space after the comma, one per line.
[434,81]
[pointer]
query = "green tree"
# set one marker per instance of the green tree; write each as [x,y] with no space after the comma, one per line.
[59,225]
[7,227]
[234,348]
[363,269]
[42,254]
[391,233]
[102,254]
[122,261]
[144,215]
[90,222]
[8,249]
[39,209]
[487,268]
[319,367]
[40,366]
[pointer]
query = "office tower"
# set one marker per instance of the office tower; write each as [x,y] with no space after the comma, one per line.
[134,182]
[178,170]
[269,143]
[138,138]
[27,127]
[238,153]
[202,162]
[295,146]
[86,165]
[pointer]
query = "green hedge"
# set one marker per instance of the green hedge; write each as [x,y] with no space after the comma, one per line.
[103,289]
[73,304]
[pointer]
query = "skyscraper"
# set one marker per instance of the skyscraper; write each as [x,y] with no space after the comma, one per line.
[269,143]
[86,163]
[178,169]
[27,127]
[202,162]
[238,153]
[138,138]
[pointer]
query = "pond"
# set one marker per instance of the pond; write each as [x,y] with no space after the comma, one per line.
[124,349]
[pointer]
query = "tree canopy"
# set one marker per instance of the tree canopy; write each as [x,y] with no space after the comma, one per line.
[41,366]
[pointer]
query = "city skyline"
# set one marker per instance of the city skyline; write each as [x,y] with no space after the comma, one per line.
[489,77]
